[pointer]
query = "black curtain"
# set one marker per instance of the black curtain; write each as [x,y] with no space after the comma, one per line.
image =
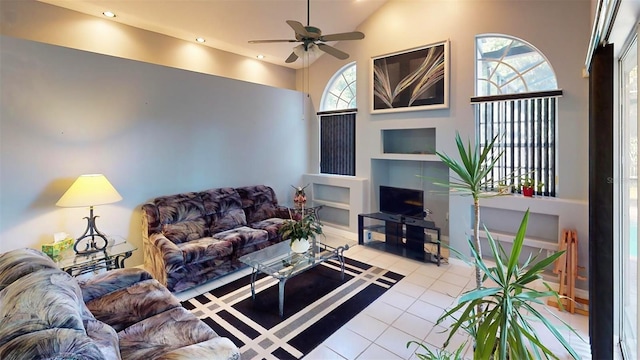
[601,269]
[338,144]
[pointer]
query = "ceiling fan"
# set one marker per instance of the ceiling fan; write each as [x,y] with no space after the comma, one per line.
[311,37]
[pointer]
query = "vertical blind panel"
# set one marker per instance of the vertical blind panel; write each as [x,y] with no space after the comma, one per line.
[526,141]
[337,144]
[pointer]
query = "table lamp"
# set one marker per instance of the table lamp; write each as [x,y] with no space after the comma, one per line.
[90,190]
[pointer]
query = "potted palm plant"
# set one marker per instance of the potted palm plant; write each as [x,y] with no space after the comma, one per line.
[300,231]
[504,328]
[469,178]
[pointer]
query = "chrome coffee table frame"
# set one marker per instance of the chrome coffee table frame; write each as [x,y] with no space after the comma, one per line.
[279,262]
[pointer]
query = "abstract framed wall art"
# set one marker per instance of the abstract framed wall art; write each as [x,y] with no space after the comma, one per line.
[414,79]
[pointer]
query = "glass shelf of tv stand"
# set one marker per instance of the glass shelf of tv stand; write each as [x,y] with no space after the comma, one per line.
[405,236]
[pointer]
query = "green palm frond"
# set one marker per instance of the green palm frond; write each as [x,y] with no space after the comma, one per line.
[504,329]
[305,228]
[471,171]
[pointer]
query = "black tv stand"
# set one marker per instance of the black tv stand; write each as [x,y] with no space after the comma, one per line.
[405,236]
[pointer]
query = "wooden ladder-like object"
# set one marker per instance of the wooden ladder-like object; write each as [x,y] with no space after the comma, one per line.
[567,268]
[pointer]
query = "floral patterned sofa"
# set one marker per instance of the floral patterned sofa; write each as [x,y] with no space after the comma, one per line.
[121,314]
[194,237]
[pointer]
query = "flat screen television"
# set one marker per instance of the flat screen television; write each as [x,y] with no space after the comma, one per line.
[399,201]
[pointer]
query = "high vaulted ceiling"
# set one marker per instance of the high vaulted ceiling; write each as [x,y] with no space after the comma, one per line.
[229,24]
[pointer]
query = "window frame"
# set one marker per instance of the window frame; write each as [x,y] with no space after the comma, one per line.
[528,117]
[351,86]
[345,138]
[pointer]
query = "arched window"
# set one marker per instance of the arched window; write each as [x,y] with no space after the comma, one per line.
[338,123]
[516,100]
[507,65]
[340,92]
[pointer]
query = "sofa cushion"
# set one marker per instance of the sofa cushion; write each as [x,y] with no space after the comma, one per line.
[101,284]
[224,207]
[193,274]
[182,217]
[218,348]
[259,202]
[185,231]
[41,300]
[127,306]
[271,226]
[52,344]
[17,263]
[162,333]
[105,338]
[244,239]
[205,249]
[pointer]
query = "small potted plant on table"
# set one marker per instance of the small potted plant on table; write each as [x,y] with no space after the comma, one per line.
[301,231]
[503,188]
[527,187]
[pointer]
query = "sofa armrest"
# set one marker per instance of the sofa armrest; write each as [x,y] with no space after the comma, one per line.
[218,348]
[161,256]
[110,281]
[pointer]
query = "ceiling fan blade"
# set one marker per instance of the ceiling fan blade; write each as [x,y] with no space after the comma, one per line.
[269,41]
[355,35]
[293,57]
[333,51]
[298,28]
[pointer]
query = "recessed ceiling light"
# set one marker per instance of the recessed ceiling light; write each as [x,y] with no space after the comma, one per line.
[200,40]
[109,14]
[260,56]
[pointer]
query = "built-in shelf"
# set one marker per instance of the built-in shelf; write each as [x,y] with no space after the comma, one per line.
[341,197]
[528,241]
[409,157]
[420,141]
[332,204]
[548,219]
[335,216]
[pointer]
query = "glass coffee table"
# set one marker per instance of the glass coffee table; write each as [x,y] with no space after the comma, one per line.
[279,262]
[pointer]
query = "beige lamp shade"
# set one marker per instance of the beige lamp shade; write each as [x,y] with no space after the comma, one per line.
[89,190]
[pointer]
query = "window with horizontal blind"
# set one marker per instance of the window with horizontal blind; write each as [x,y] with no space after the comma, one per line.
[517,100]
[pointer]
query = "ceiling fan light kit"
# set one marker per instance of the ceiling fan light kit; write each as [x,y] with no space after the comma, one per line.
[312,40]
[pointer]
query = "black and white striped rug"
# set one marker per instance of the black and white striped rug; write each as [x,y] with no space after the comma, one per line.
[317,303]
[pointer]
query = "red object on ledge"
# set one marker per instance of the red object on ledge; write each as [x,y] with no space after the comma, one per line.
[527,191]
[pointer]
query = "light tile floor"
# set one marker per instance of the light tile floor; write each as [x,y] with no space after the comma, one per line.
[409,311]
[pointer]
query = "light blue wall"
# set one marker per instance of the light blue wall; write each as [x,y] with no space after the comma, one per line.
[152,130]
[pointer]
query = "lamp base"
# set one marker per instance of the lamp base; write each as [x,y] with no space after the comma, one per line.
[92,243]
[92,240]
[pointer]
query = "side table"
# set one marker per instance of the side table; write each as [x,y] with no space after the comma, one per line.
[112,257]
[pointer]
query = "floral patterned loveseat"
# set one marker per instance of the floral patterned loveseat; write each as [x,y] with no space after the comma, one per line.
[120,314]
[194,237]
